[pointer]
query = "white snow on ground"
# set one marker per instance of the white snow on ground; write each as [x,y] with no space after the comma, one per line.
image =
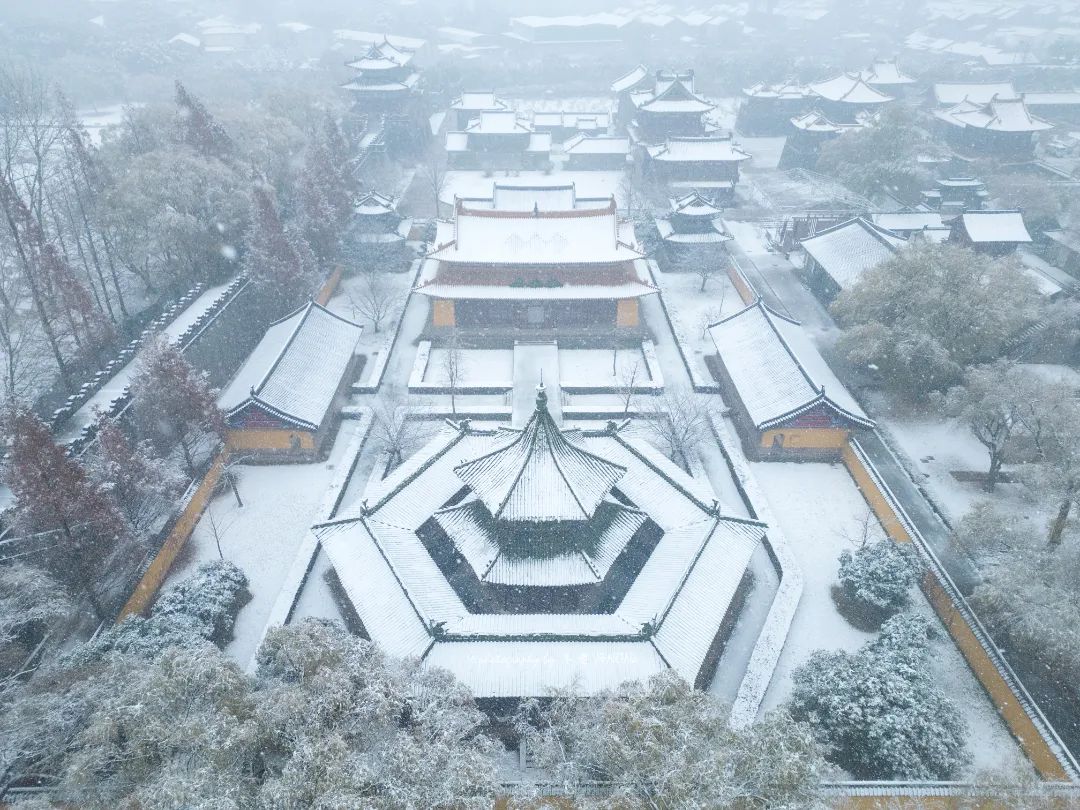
[595,366]
[112,389]
[476,367]
[765,152]
[749,235]
[822,512]
[694,308]
[587,184]
[315,599]
[262,536]
[932,447]
[97,119]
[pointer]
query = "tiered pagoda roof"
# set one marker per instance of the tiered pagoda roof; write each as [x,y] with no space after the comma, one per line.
[538,475]
[421,558]
[384,68]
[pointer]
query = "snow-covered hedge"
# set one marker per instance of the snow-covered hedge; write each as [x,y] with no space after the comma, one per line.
[878,711]
[876,580]
[208,600]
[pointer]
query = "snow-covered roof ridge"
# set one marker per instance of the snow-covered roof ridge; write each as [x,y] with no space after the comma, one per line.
[849,88]
[789,89]
[951,93]
[299,364]
[694,204]
[817,121]
[373,202]
[673,91]
[539,475]
[996,115]
[628,80]
[478,100]
[769,359]
[885,72]
[596,144]
[590,235]
[848,249]
[695,148]
[1001,225]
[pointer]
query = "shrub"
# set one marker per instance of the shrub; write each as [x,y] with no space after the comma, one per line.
[876,581]
[877,710]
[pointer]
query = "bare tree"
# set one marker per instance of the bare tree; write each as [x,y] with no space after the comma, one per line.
[624,384]
[391,430]
[453,367]
[433,173]
[713,314]
[678,421]
[374,299]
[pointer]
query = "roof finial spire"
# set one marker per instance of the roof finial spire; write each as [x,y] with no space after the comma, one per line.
[541,394]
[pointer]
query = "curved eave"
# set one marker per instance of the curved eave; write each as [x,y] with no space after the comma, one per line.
[255,401]
[820,399]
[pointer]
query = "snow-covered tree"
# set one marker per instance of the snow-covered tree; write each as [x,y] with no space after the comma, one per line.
[665,744]
[878,711]
[279,262]
[210,598]
[197,128]
[876,579]
[173,403]
[348,727]
[1027,595]
[143,484]
[373,298]
[30,602]
[54,494]
[677,421]
[931,311]
[1008,409]
[883,157]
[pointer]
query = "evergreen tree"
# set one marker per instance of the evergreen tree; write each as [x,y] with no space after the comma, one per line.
[280,263]
[199,129]
[878,711]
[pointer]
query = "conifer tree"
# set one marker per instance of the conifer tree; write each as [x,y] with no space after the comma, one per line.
[199,129]
[279,262]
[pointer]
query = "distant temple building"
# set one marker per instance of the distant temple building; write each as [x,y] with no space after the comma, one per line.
[601,152]
[886,76]
[377,227]
[470,104]
[842,98]
[785,401]
[692,232]
[564,125]
[808,133]
[767,109]
[284,400]
[535,259]
[706,163]
[954,195]
[527,560]
[498,139]
[1000,127]
[837,257]
[996,233]
[385,80]
[664,106]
